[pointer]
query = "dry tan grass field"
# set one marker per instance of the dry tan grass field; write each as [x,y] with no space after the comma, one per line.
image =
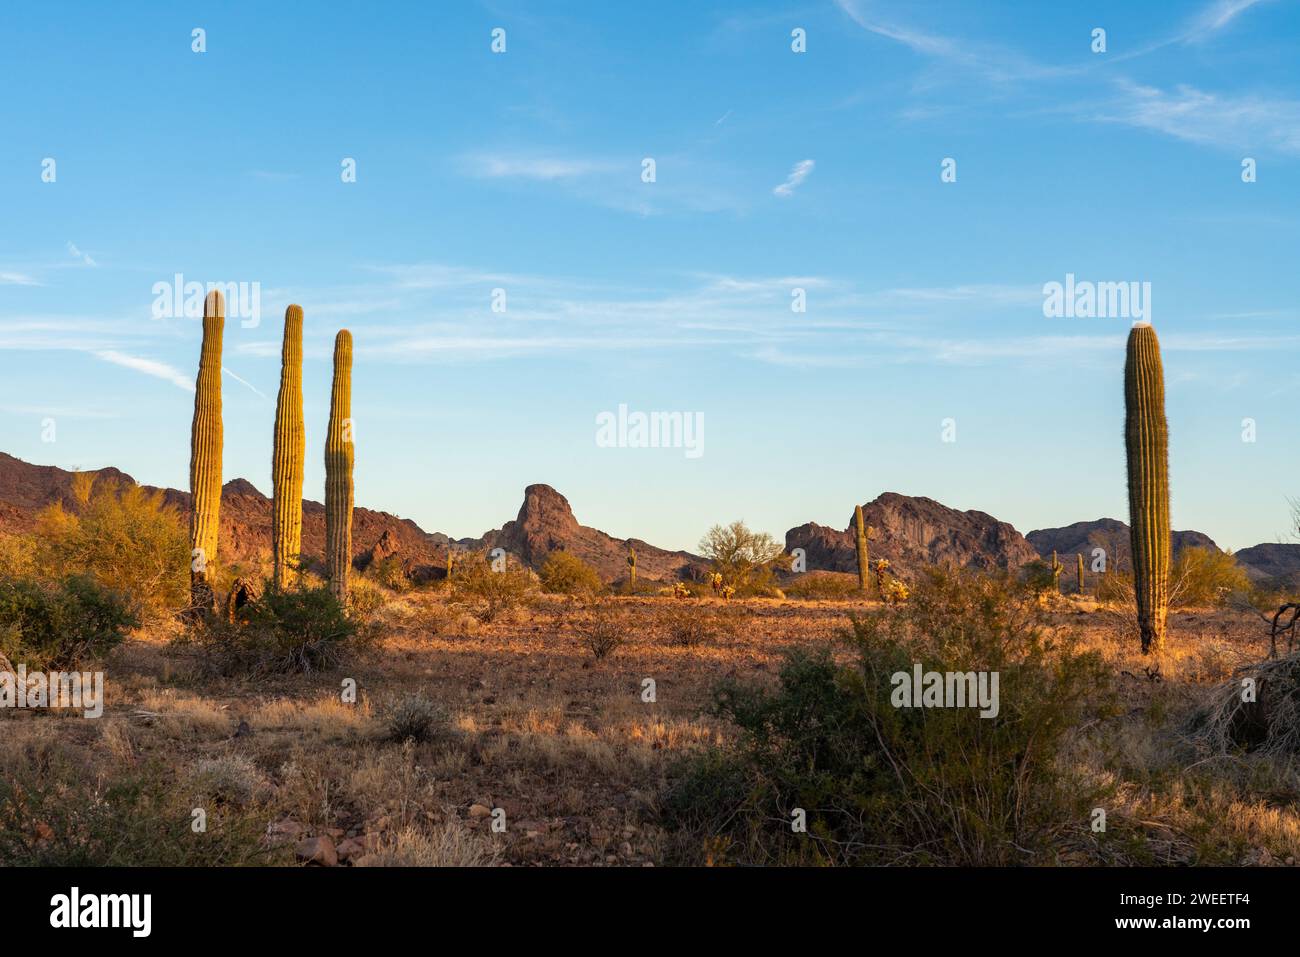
[543,755]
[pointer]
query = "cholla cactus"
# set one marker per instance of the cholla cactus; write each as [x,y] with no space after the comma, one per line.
[205,457]
[680,590]
[715,582]
[728,592]
[882,566]
[894,591]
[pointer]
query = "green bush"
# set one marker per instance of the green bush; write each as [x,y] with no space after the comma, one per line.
[122,536]
[881,784]
[57,625]
[296,631]
[564,573]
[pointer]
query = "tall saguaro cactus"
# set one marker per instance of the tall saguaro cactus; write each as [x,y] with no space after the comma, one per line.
[864,563]
[1079,570]
[631,565]
[287,454]
[339,458]
[205,456]
[1146,441]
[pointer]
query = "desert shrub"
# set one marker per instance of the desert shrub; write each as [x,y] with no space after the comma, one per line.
[814,585]
[492,593]
[389,573]
[18,556]
[1038,577]
[1269,723]
[416,718]
[231,779]
[687,624]
[601,629]
[564,573]
[1201,577]
[745,559]
[57,625]
[882,784]
[283,632]
[122,536]
[365,599]
[58,817]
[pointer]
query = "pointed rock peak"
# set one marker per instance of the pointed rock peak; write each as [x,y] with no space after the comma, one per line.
[543,504]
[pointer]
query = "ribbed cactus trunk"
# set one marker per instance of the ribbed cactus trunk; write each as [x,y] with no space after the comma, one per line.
[338,470]
[1146,440]
[289,447]
[1079,570]
[1057,568]
[631,565]
[205,457]
[864,558]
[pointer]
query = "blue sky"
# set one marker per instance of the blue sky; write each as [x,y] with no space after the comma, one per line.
[774,170]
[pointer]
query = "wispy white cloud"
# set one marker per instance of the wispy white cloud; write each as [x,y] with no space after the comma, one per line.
[17,279]
[1238,122]
[539,167]
[1215,17]
[798,173]
[78,254]
[150,367]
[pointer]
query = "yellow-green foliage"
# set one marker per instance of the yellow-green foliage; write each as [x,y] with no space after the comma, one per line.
[566,574]
[1203,577]
[339,458]
[287,455]
[205,453]
[1146,441]
[123,537]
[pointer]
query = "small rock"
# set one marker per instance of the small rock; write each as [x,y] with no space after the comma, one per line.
[351,848]
[317,850]
[479,810]
[282,832]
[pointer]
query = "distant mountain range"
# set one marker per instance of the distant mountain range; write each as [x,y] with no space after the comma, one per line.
[910,532]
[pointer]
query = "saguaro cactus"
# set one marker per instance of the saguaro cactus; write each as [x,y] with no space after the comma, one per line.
[287,455]
[1079,570]
[205,456]
[339,458]
[631,565]
[1057,568]
[864,565]
[1146,441]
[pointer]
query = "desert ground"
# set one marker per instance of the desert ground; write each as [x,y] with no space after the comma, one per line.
[531,751]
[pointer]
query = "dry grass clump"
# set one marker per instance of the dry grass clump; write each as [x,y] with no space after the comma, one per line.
[1257,711]
[688,623]
[229,778]
[450,845]
[601,628]
[416,718]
